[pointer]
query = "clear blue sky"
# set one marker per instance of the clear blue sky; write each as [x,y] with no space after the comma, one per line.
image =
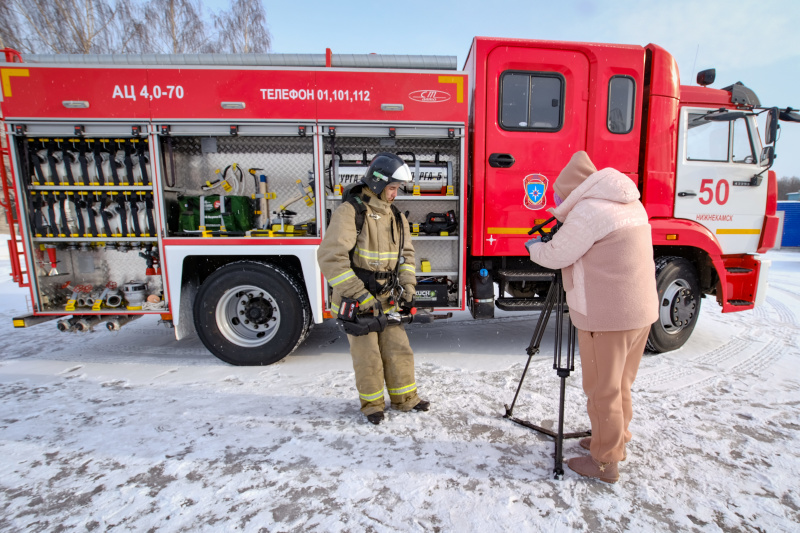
[753,41]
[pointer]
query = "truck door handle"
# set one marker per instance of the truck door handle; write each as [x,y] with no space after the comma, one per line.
[687,193]
[501,160]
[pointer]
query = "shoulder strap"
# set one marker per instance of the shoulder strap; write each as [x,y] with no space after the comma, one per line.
[401,237]
[352,195]
[396,213]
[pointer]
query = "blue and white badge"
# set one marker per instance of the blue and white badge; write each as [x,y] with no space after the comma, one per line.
[535,188]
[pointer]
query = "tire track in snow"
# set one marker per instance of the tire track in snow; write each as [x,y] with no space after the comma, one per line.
[762,312]
[785,315]
[678,377]
[788,289]
[725,352]
[780,334]
[683,370]
[762,359]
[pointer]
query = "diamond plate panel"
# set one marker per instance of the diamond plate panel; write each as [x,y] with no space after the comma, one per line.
[442,254]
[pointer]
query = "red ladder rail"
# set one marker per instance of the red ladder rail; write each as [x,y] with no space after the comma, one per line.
[15,249]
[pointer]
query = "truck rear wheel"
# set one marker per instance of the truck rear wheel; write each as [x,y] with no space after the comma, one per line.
[679,304]
[250,313]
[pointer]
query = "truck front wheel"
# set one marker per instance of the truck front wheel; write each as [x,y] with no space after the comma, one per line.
[679,304]
[250,313]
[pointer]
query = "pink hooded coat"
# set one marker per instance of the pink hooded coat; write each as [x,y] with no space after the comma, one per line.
[604,250]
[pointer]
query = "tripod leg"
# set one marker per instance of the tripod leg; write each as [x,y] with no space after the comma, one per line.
[544,318]
[510,410]
[558,469]
[536,340]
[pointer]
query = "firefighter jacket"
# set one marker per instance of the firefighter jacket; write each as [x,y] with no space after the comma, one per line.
[375,248]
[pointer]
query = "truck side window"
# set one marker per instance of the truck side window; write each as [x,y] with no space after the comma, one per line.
[742,147]
[706,140]
[531,101]
[621,96]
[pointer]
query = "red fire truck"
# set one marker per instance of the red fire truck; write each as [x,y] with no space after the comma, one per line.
[198,187]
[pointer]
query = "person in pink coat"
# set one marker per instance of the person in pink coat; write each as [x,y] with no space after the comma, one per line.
[605,252]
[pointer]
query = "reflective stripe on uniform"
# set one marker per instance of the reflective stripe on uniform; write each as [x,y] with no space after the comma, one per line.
[403,390]
[372,397]
[365,298]
[334,308]
[342,277]
[373,255]
[409,268]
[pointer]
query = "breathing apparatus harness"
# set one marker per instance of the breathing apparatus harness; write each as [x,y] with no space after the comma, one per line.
[370,278]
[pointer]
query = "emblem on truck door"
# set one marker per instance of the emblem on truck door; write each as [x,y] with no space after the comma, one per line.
[535,186]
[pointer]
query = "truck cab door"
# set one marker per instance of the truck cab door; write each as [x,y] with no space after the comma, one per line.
[715,184]
[536,119]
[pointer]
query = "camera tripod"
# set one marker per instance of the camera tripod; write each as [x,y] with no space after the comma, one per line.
[563,364]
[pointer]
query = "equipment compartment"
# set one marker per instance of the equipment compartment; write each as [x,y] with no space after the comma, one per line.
[91,222]
[433,203]
[237,186]
[99,278]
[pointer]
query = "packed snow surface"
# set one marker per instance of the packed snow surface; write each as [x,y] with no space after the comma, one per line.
[138,431]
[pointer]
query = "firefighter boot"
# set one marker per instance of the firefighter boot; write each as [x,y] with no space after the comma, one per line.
[588,467]
[376,418]
[423,405]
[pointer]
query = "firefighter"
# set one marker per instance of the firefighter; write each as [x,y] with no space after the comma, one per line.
[367,256]
[605,252]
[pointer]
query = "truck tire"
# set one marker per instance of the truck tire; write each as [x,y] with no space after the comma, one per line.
[251,314]
[679,304]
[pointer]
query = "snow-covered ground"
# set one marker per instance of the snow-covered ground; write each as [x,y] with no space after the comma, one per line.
[137,431]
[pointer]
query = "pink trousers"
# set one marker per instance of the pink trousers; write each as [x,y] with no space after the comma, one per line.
[609,362]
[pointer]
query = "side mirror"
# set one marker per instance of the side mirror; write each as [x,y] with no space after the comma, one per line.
[767,156]
[771,127]
[706,77]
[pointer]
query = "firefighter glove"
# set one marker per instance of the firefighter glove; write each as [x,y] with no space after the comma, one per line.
[366,302]
[408,300]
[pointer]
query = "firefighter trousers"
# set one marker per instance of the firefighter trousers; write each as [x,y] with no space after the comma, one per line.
[384,357]
[609,364]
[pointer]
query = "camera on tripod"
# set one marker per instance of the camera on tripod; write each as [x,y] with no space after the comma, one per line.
[546,235]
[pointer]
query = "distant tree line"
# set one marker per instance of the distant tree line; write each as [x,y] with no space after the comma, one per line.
[132,27]
[787,185]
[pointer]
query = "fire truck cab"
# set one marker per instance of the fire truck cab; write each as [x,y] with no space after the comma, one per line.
[694,152]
